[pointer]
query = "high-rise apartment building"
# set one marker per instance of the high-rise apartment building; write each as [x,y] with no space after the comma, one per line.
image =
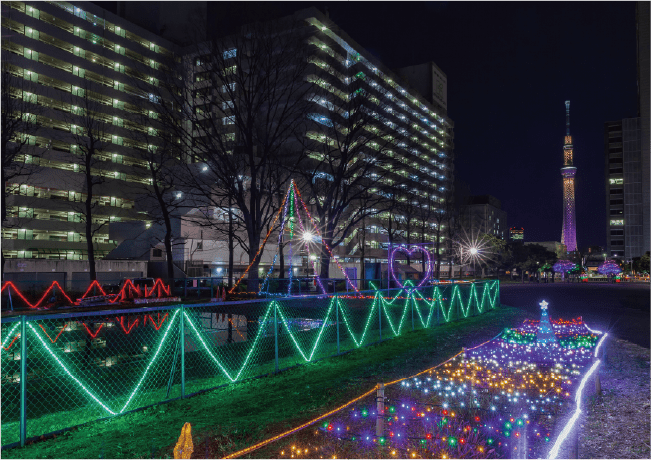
[73,53]
[77,65]
[421,150]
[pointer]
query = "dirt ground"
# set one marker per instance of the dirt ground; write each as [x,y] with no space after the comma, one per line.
[617,423]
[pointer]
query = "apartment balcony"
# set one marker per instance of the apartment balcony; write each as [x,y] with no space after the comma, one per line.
[35,245]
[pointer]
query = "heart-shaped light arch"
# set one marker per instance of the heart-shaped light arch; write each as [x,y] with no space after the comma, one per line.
[409,252]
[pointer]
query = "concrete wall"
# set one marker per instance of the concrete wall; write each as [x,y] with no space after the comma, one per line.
[71,274]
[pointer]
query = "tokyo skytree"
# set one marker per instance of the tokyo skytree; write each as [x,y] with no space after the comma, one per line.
[568,171]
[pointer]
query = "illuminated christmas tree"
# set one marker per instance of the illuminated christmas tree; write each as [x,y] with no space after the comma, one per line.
[545,332]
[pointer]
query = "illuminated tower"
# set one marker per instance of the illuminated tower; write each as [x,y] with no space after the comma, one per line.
[568,171]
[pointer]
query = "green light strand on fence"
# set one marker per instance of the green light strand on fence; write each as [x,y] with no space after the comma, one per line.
[402,318]
[95,398]
[63,366]
[368,321]
[151,362]
[11,332]
[248,356]
[318,339]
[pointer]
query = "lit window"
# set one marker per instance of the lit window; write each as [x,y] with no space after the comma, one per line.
[229,120]
[617,222]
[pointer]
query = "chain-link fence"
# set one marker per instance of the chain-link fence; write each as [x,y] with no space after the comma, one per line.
[62,370]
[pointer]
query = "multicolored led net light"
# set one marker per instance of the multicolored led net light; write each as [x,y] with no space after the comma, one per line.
[501,399]
[609,268]
[564,266]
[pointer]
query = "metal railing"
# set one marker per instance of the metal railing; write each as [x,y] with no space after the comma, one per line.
[66,369]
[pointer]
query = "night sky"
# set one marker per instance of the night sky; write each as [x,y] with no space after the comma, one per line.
[510,68]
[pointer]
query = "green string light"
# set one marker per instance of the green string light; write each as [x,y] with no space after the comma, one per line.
[11,333]
[379,302]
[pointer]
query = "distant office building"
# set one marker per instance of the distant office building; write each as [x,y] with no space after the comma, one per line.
[516,234]
[484,214]
[623,162]
[627,162]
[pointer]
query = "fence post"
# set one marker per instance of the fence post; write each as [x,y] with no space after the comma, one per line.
[379,424]
[379,310]
[337,309]
[276,332]
[413,301]
[182,333]
[23,381]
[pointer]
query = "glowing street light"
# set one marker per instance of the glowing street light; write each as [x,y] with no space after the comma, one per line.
[473,251]
[308,237]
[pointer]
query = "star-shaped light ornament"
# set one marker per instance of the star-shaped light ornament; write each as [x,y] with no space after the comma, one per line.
[543,305]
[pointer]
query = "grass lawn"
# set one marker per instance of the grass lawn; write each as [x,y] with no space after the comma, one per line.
[233,417]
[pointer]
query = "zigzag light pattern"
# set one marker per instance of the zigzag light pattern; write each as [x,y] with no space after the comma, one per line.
[378,302]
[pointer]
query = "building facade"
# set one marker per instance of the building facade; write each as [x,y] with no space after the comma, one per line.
[642,17]
[623,161]
[420,134]
[77,68]
[75,54]
[484,214]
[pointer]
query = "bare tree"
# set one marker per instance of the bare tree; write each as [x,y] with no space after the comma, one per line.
[159,191]
[247,99]
[347,172]
[91,136]
[19,125]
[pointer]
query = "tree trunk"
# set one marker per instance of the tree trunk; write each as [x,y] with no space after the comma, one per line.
[281,262]
[362,263]
[325,264]
[3,268]
[438,256]
[325,255]
[170,260]
[89,229]
[4,218]
[231,245]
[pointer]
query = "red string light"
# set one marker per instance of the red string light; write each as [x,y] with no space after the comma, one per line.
[96,332]
[12,343]
[9,284]
[58,335]
[121,322]
[129,290]
[160,322]
[94,283]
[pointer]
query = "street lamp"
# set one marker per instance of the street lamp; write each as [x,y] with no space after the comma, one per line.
[308,237]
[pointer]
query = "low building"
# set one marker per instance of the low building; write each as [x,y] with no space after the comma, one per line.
[556,247]
[516,234]
[484,214]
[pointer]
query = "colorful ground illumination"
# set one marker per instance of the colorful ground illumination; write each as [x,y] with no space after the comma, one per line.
[504,399]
